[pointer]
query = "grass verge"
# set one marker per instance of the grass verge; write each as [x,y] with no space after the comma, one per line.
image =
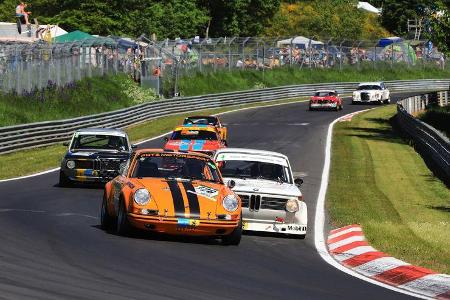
[380,182]
[39,159]
[235,80]
[85,97]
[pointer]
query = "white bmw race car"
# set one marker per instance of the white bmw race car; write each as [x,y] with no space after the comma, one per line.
[271,198]
[371,92]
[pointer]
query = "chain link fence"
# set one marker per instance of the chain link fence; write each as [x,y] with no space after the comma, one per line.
[25,68]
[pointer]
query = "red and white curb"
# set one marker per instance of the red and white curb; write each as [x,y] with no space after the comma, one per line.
[348,246]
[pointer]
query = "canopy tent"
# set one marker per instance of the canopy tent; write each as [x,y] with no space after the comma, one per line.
[387,41]
[73,36]
[298,41]
[368,7]
[401,51]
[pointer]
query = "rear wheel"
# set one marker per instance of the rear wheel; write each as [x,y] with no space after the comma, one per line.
[234,238]
[106,221]
[123,225]
[64,181]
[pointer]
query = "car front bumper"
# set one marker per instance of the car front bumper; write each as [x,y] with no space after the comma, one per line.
[171,225]
[273,226]
[89,175]
[323,106]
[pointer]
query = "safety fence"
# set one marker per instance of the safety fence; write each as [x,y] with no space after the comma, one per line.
[431,143]
[25,68]
[13,138]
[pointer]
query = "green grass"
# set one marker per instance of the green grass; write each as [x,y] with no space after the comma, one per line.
[226,81]
[380,182]
[39,159]
[85,97]
[438,117]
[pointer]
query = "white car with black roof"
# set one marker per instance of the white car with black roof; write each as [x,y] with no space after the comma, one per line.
[271,197]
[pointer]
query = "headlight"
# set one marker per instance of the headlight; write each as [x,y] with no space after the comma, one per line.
[230,203]
[141,196]
[70,164]
[292,206]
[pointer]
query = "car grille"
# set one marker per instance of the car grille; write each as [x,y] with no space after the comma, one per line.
[84,164]
[109,164]
[256,202]
[365,96]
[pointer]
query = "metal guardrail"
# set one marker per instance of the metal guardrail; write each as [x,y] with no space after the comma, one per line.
[431,143]
[18,137]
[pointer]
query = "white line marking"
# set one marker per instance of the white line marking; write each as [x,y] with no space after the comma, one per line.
[298,124]
[319,222]
[431,285]
[356,238]
[379,265]
[156,137]
[332,236]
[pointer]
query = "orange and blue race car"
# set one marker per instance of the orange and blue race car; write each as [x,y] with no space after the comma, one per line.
[208,120]
[198,138]
[175,193]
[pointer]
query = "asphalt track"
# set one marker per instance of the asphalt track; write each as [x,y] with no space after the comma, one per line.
[51,246]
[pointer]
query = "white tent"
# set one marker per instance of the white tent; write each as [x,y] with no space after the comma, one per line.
[368,7]
[298,40]
[55,30]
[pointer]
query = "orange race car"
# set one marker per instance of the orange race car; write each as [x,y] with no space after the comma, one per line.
[172,192]
[198,138]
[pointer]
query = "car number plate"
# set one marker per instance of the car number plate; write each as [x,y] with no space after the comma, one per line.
[187,222]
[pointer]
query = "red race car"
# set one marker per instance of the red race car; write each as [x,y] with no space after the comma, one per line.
[326,99]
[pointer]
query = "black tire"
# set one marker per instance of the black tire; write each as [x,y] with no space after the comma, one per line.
[353,103]
[311,109]
[123,225]
[387,101]
[106,221]
[337,108]
[234,238]
[64,181]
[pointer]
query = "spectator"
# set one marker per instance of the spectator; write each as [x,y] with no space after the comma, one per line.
[20,12]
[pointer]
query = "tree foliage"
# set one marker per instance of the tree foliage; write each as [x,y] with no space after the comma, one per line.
[338,19]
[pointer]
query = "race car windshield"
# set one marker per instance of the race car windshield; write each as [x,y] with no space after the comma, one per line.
[200,121]
[369,87]
[194,135]
[255,170]
[175,166]
[324,94]
[99,142]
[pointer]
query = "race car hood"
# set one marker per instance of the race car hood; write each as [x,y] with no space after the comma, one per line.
[192,145]
[184,198]
[369,91]
[262,186]
[96,154]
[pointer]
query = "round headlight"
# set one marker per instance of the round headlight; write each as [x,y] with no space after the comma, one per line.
[292,206]
[141,196]
[230,203]
[70,164]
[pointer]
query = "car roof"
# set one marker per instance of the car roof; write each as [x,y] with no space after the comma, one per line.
[201,117]
[152,150]
[371,83]
[196,127]
[251,151]
[102,131]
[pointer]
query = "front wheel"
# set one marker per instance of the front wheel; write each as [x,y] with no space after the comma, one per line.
[64,181]
[106,221]
[387,101]
[234,238]
[123,225]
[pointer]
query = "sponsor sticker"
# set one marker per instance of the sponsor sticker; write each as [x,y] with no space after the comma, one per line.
[187,223]
[206,191]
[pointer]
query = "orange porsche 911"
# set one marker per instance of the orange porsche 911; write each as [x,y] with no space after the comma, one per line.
[172,192]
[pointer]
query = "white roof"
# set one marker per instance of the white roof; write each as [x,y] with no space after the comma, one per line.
[102,131]
[368,7]
[251,155]
[298,40]
[371,83]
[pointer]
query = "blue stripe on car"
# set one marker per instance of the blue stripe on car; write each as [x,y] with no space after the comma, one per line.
[184,145]
[198,145]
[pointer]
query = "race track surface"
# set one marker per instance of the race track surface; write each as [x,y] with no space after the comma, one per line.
[52,247]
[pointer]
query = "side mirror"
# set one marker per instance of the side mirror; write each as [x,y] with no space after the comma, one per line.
[66,144]
[298,181]
[133,146]
[166,139]
[231,184]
